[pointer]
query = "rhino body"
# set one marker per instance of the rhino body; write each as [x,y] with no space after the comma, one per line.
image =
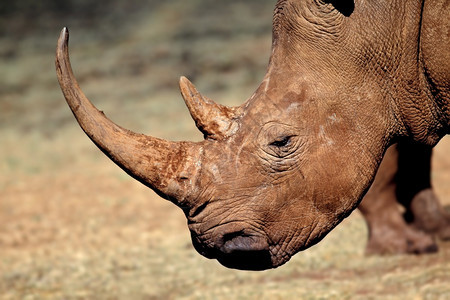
[345,80]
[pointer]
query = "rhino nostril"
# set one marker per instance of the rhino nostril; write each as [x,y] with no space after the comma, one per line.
[198,210]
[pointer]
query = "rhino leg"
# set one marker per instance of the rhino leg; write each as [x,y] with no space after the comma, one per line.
[389,233]
[422,207]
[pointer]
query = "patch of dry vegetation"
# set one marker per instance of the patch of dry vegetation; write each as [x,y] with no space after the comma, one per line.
[74,226]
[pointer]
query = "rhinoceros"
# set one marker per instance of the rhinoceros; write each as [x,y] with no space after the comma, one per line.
[346,79]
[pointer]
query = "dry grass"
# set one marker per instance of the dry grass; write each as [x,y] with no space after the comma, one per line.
[74,226]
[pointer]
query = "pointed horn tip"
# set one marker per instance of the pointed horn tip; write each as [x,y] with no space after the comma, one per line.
[186,87]
[64,35]
[63,39]
[184,82]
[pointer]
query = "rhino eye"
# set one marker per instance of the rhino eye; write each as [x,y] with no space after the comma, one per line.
[281,142]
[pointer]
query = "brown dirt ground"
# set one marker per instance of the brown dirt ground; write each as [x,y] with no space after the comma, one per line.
[74,226]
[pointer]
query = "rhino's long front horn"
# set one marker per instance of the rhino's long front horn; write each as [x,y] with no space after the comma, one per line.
[169,168]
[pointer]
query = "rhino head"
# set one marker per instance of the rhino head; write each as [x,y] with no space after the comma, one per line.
[276,174]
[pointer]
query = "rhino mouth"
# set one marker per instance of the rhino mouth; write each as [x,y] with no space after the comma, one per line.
[238,250]
[245,252]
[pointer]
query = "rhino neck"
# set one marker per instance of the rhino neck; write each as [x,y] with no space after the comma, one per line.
[419,88]
[402,56]
[435,57]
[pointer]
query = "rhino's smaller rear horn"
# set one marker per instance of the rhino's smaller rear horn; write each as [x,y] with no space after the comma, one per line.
[215,121]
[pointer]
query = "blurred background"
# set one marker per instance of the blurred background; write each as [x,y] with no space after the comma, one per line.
[74,226]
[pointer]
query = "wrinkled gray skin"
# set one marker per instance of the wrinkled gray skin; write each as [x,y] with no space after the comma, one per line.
[274,175]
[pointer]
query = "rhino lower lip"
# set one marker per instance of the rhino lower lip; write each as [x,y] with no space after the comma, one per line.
[244,252]
[246,260]
[237,250]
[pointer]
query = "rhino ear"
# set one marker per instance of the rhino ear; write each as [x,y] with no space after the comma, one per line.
[215,121]
[345,7]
